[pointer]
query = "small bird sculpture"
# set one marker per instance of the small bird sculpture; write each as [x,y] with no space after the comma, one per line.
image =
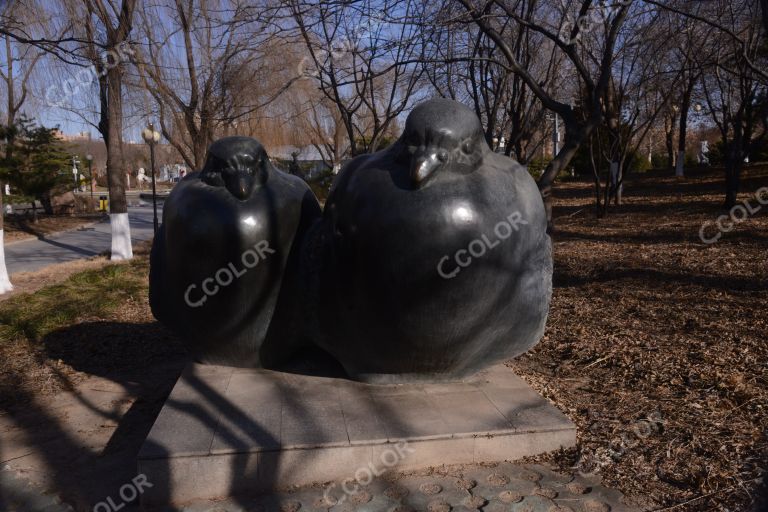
[229,236]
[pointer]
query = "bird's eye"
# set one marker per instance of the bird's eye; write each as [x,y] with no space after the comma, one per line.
[466,147]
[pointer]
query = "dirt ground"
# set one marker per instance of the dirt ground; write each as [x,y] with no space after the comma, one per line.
[19,227]
[655,347]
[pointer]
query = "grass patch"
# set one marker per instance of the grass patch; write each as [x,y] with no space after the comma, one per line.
[92,293]
[95,322]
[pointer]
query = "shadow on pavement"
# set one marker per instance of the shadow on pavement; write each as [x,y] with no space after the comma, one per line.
[142,361]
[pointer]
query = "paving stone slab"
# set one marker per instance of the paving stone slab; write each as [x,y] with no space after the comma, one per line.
[226,431]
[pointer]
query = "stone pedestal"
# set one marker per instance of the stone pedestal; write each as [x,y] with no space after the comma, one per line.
[228,431]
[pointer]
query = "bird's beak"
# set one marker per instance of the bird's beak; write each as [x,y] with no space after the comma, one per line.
[423,164]
[239,184]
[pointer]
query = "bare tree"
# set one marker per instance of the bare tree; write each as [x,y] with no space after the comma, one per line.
[17,85]
[187,88]
[688,38]
[646,77]
[6,15]
[94,39]
[113,19]
[363,62]
[737,99]
[325,131]
[230,68]
[587,39]
[638,95]
[465,65]
[732,59]
[16,81]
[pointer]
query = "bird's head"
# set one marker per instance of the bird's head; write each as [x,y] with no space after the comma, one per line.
[239,164]
[441,135]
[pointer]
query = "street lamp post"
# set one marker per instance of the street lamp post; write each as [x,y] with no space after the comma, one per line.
[89,158]
[152,137]
[75,163]
[704,144]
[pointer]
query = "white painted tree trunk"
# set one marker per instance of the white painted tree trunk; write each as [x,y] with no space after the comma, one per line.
[121,236]
[679,169]
[5,281]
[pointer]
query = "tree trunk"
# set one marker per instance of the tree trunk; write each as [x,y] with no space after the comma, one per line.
[115,163]
[575,135]
[615,167]
[598,197]
[5,281]
[733,167]
[9,82]
[45,200]
[764,8]
[110,80]
[118,206]
[734,163]
[732,184]
[685,106]
[671,143]
[607,194]
[595,175]
[200,149]
[617,179]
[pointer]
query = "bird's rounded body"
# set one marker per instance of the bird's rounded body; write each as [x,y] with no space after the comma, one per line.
[219,260]
[434,278]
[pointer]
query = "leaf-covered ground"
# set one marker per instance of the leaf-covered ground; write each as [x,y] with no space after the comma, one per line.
[657,343]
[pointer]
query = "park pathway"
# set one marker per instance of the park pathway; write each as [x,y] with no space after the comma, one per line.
[35,254]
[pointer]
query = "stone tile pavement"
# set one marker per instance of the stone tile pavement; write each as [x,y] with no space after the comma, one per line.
[488,488]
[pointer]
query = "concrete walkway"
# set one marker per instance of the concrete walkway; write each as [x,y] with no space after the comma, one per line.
[33,255]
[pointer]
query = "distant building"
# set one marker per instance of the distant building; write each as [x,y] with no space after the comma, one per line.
[74,137]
